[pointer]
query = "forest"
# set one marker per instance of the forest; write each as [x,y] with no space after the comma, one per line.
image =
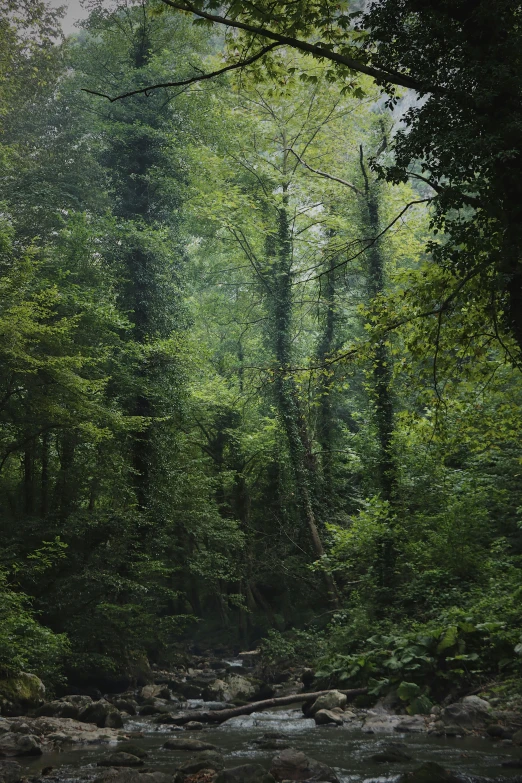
[260,342]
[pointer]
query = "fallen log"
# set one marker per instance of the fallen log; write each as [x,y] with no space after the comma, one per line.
[220,716]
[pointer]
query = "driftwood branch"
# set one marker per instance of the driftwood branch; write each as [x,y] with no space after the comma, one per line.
[220,716]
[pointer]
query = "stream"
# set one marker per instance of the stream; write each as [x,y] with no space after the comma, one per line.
[347,750]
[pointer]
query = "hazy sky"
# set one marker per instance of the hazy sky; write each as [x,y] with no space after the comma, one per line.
[74,12]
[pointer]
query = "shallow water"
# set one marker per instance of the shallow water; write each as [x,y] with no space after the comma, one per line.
[345,749]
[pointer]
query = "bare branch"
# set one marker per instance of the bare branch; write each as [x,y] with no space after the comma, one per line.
[324,174]
[200,78]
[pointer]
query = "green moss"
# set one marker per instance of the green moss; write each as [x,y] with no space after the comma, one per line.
[22,689]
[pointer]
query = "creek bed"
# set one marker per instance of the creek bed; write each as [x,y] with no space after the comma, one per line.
[345,749]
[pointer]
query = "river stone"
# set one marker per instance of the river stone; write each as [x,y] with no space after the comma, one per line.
[10,772]
[194,725]
[292,764]
[96,712]
[411,723]
[128,775]
[496,731]
[21,692]
[120,759]
[328,701]
[60,708]
[430,772]
[470,713]
[131,747]
[377,724]
[188,744]
[113,720]
[246,773]
[126,705]
[206,759]
[232,688]
[391,754]
[327,717]
[155,692]
[12,744]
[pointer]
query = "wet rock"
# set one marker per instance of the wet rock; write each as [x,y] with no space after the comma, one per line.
[96,712]
[379,724]
[155,692]
[430,772]
[513,764]
[133,749]
[20,727]
[194,725]
[411,723]
[126,705]
[391,754]
[292,764]
[496,731]
[113,720]
[188,744]
[127,775]
[328,701]
[206,759]
[120,759]
[232,688]
[72,732]
[470,713]
[10,772]
[246,773]
[12,744]
[327,717]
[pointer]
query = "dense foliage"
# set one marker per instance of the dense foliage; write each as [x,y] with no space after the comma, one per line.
[259,371]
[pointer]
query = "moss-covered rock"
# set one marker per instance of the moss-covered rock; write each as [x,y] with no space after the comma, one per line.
[21,692]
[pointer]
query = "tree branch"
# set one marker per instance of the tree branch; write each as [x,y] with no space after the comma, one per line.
[324,174]
[202,77]
[383,77]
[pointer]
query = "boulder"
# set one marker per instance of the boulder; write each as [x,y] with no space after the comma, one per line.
[120,759]
[19,693]
[391,754]
[470,713]
[10,772]
[328,701]
[12,744]
[496,731]
[188,744]
[430,772]
[60,708]
[113,720]
[292,764]
[232,688]
[155,692]
[411,723]
[377,724]
[126,705]
[246,773]
[327,717]
[194,725]
[206,759]
[97,713]
[132,748]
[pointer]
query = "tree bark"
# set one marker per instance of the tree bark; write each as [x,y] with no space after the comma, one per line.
[220,716]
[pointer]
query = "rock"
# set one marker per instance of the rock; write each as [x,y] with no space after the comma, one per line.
[409,723]
[58,709]
[12,744]
[113,720]
[20,727]
[391,754]
[120,759]
[153,709]
[97,712]
[430,772]
[10,772]
[497,731]
[327,717]
[513,764]
[194,725]
[155,692]
[188,744]
[517,738]
[128,775]
[234,687]
[125,705]
[72,732]
[307,677]
[292,764]
[378,724]
[470,713]
[328,701]
[246,773]
[206,759]
[25,691]
[133,749]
